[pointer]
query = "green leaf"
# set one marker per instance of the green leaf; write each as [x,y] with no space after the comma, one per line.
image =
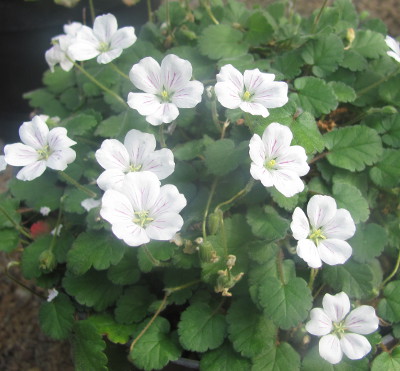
[387,361]
[350,198]
[133,304]
[59,80]
[156,347]
[389,91]
[289,63]
[324,54]
[94,249]
[73,199]
[31,254]
[267,224]
[386,173]
[250,333]
[389,306]
[286,303]
[223,359]
[354,61]
[71,99]
[259,31]
[56,318]
[287,203]
[368,242]
[8,209]
[353,147]
[88,348]
[80,124]
[280,357]
[353,278]
[314,95]
[343,92]
[92,289]
[42,98]
[222,157]
[190,150]
[126,271]
[160,250]
[369,44]
[201,328]
[9,240]
[115,332]
[392,131]
[221,41]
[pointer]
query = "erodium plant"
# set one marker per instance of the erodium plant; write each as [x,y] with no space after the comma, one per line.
[221,189]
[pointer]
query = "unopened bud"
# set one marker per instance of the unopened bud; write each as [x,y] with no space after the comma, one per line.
[350,35]
[214,222]
[206,251]
[47,261]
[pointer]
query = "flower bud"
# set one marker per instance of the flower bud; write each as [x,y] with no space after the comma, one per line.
[350,35]
[214,222]
[47,261]
[206,250]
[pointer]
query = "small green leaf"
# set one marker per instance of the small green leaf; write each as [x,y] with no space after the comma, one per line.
[80,124]
[389,306]
[57,317]
[8,209]
[369,44]
[354,61]
[386,173]
[289,63]
[190,150]
[353,147]
[280,357]
[9,240]
[350,198]
[287,203]
[156,347]
[223,359]
[287,304]
[94,249]
[387,361]
[201,328]
[314,95]
[47,101]
[343,92]
[59,80]
[389,91]
[221,41]
[88,348]
[267,224]
[125,272]
[31,254]
[391,126]
[259,31]
[160,250]
[368,242]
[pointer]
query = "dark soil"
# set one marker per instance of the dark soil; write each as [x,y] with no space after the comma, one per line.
[23,347]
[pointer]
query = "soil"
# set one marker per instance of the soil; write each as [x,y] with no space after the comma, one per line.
[22,344]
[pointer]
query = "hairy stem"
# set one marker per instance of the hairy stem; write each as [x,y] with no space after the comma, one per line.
[391,275]
[241,193]
[212,191]
[92,13]
[117,70]
[317,18]
[71,180]
[15,224]
[313,274]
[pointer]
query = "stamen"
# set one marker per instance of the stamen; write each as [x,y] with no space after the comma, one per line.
[246,96]
[142,218]
[165,96]
[44,152]
[270,164]
[134,167]
[104,47]
[317,235]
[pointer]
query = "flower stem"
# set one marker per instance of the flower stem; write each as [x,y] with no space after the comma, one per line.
[313,274]
[98,83]
[162,137]
[318,157]
[317,18]
[92,13]
[170,290]
[15,224]
[212,191]
[391,275]
[241,193]
[71,180]
[149,11]
[376,83]
[152,259]
[207,6]
[117,70]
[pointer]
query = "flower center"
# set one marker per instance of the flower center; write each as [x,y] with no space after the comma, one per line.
[317,236]
[270,165]
[246,96]
[339,329]
[44,152]
[142,218]
[104,47]
[165,96]
[134,167]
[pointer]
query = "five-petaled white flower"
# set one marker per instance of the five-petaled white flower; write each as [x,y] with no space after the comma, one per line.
[341,333]
[323,239]
[254,92]
[40,148]
[142,210]
[395,46]
[136,154]
[105,41]
[58,54]
[275,162]
[166,88]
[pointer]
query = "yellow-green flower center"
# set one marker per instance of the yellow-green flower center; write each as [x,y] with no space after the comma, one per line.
[246,96]
[339,329]
[142,218]
[104,47]
[317,236]
[44,152]
[134,167]
[165,96]
[270,164]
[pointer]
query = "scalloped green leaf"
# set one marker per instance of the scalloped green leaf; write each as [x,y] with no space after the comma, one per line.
[353,147]
[386,173]
[259,31]
[387,361]
[369,44]
[353,60]
[389,306]
[280,357]
[201,328]
[343,92]
[9,240]
[8,210]
[126,271]
[80,124]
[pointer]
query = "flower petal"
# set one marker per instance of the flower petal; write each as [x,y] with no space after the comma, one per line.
[32,171]
[113,155]
[146,75]
[189,95]
[294,159]
[254,108]
[271,94]
[227,94]
[287,182]
[334,251]
[166,112]
[19,154]
[362,320]
[355,346]
[34,133]
[330,350]
[319,324]
[59,160]
[111,178]
[123,38]
[254,79]
[299,225]
[108,56]
[160,163]
[276,138]
[257,150]
[261,173]
[393,44]
[228,73]
[307,250]
[139,146]
[175,72]
[169,200]
[164,226]
[104,27]
[336,306]
[86,45]
[144,103]
[341,226]
[321,210]
[58,139]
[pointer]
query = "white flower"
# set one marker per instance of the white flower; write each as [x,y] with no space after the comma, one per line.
[341,333]
[52,295]
[90,203]
[323,239]
[45,210]
[57,230]
[275,162]
[3,163]
[40,148]
[166,88]
[136,154]
[395,46]
[142,210]
[252,92]
[58,54]
[104,41]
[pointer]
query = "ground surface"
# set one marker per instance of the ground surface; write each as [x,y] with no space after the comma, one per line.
[22,345]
